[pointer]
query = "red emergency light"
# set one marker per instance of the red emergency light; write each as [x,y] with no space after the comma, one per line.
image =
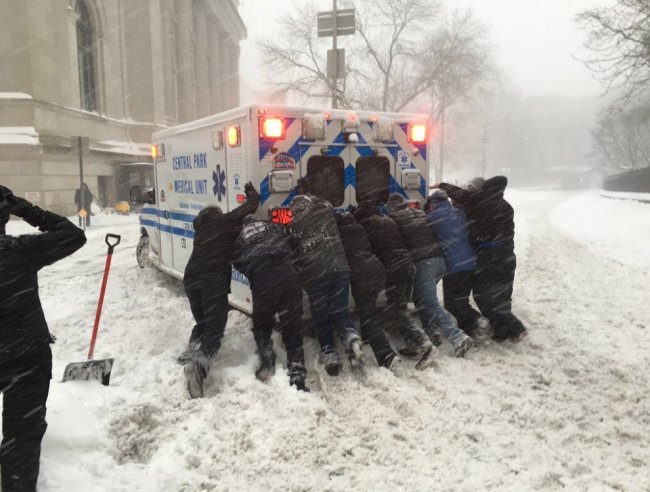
[418,133]
[273,128]
[241,198]
[282,216]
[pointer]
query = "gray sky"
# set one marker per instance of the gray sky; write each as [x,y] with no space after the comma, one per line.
[533,41]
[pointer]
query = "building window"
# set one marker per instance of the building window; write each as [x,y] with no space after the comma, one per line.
[86,49]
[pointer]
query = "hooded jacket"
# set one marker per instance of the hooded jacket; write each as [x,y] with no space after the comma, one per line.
[260,244]
[383,236]
[491,216]
[451,227]
[214,237]
[23,329]
[420,240]
[318,250]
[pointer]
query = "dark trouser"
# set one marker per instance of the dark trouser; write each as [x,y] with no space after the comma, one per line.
[457,288]
[208,296]
[25,384]
[329,302]
[277,289]
[365,298]
[493,290]
[399,287]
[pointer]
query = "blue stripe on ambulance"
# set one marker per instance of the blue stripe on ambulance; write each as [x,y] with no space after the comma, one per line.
[177,231]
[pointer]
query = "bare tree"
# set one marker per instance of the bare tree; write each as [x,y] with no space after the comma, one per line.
[619,38]
[623,137]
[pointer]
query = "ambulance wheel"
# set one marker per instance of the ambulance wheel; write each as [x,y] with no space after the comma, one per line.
[142,252]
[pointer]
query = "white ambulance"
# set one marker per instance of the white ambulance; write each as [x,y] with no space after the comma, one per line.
[346,156]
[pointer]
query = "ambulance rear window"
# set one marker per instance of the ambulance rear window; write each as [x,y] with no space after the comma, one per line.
[325,175]
[373,179]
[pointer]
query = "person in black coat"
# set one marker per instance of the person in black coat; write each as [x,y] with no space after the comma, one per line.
[207,284]
[325,275]
[83,198]
[263,255]
[25,355]
[492,230]
[367,280]
[387,244]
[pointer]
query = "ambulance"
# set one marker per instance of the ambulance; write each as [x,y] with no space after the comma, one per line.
[346,157]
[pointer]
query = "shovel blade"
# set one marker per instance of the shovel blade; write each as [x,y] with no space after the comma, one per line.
[91,369]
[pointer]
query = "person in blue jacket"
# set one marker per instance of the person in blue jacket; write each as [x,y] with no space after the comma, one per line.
[452,229]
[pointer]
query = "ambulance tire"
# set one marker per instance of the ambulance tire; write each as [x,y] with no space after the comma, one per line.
[142,252]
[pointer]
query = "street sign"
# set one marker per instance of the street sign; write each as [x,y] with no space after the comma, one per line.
[345,24]
[74,144]
[331,73]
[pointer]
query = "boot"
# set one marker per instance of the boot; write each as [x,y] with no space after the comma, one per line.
[267,365]
[355,352]
[463,347]
[427,355]
[332,363]
[297,375]
[196,370]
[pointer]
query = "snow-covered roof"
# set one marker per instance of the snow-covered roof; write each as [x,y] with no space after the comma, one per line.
[18,135]
[14,95]
[127,148]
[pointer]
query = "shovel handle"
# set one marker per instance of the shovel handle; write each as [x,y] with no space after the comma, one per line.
[111,246]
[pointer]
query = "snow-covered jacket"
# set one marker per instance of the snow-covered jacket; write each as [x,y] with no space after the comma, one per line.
[384,237]
[491,216]
[315,237]
[260,244]
[366,271]
[419,238]
[214,237]
[23,329]
[451,227]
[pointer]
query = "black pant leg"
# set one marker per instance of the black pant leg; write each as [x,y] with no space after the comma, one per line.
[25,389]
[365,298]
[290,312]
[493,291]
[192,286]
[215,287]
[264,309]
[456,290]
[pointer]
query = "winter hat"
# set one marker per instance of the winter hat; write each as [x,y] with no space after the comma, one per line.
[344,218]
[496,184]
[476,184]
[365,209]
[250,218]
[395,202]
[300,203]
[439,196]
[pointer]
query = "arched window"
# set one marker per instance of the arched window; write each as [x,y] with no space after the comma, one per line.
[86,49]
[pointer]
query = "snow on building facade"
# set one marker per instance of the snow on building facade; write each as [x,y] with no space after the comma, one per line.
[115,72]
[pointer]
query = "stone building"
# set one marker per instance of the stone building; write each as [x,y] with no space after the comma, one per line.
[113,71]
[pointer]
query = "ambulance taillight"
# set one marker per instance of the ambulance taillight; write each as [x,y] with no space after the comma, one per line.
[154,152]
[272,128]
[282,215]
[418,133]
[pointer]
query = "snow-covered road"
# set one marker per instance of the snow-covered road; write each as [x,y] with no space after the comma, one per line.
[568,408]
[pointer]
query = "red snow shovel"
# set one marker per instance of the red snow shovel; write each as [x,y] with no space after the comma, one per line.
[95,369]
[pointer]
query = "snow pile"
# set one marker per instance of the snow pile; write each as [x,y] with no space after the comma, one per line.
[14,95]
[568,408]
[609,228]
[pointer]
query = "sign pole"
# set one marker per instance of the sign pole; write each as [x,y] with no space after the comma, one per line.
[336,61]
[81,180]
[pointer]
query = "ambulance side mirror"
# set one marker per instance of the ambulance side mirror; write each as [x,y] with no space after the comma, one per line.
[138,196]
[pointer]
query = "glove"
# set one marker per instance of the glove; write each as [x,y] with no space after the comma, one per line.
[5,193]
[303,186]
[19,206]
[250,191]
